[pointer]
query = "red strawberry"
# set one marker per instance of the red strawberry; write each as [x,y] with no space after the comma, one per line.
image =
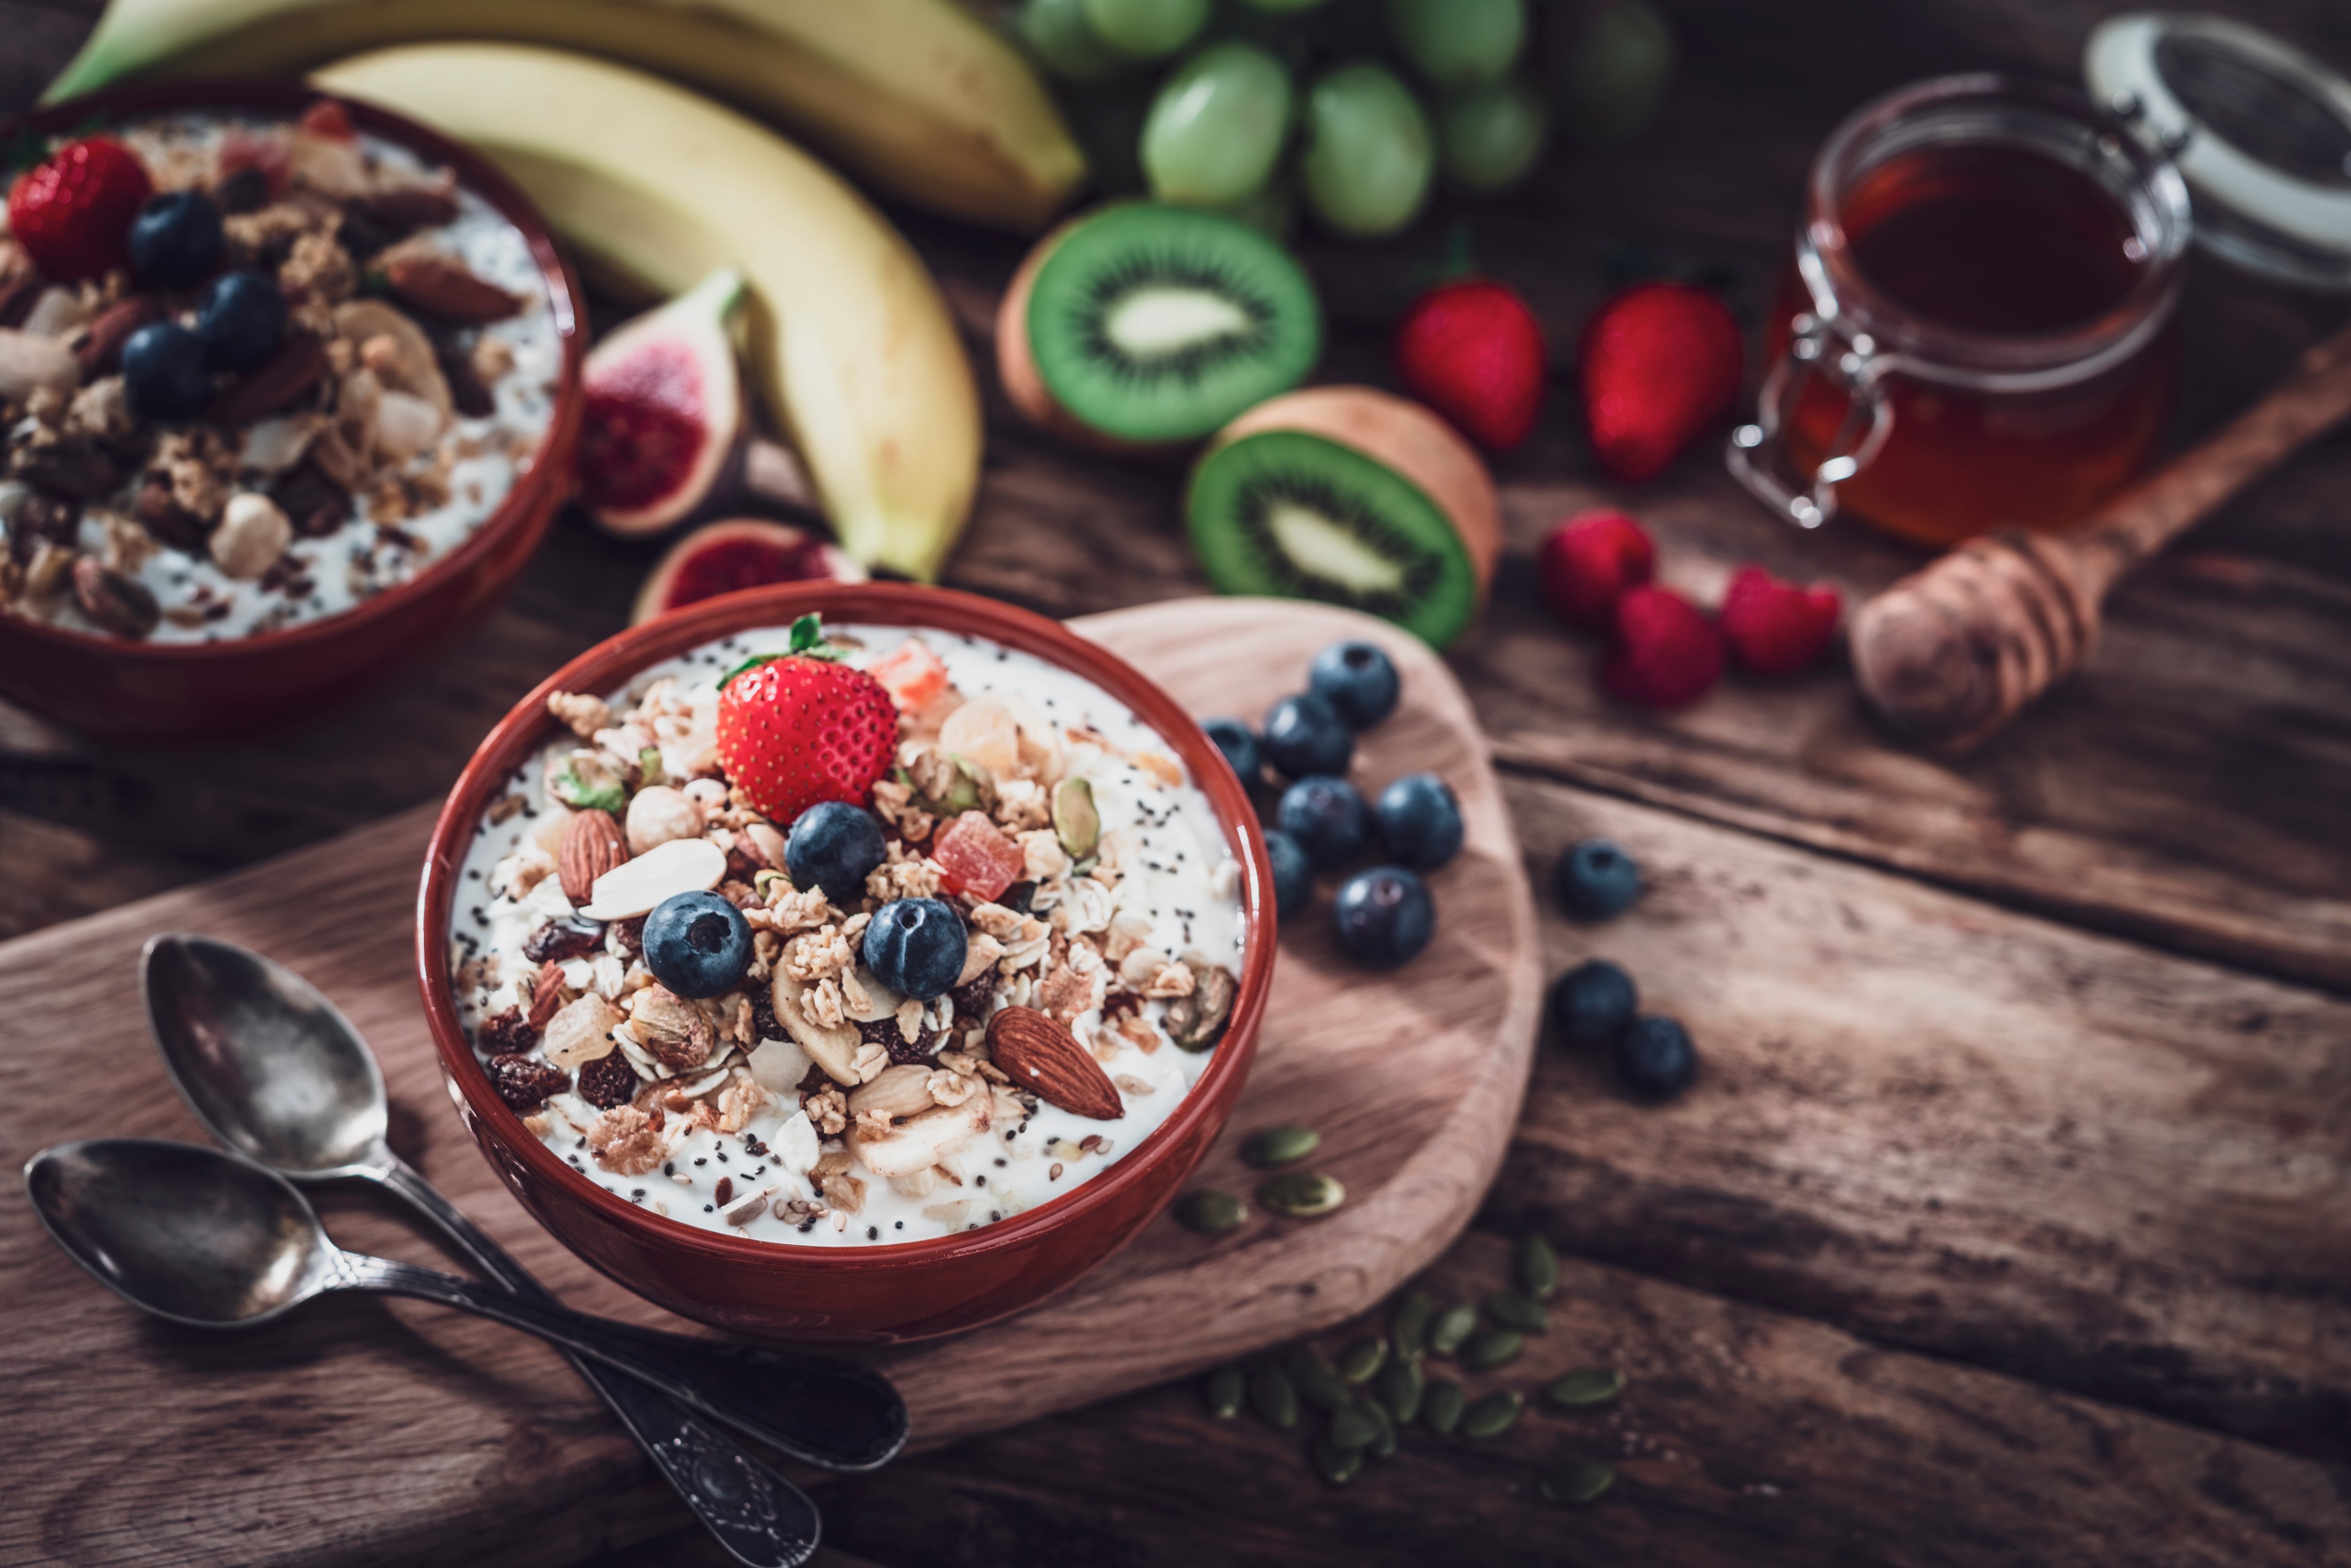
[1661,362]
[1471,351]
[72,212]
[802,729]
[1590,561]
[1775,628]
[1666,653]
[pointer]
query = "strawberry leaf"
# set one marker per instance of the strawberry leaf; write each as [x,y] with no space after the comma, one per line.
[808,642]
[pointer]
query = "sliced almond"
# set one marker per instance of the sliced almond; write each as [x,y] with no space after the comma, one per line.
[634,888]
[833,1049]
[899,1093]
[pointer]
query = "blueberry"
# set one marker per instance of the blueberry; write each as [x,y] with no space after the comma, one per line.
[696,944]
[163,372]
[1237,741]
[1293,873]
[1655,1057]
[1419,821]
[917,947]
[1326,816]
[242,320]
[1304,735]
[1357,679]
[834,846]
[1596,879]
[175,240]
[1592,1003]
[1384,916]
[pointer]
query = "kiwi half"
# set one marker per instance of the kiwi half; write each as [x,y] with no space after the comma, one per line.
[1351,496]
[1146,325]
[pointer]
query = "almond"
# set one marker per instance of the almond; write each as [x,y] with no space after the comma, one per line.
[1041,1055]
[593,845]
[440,287]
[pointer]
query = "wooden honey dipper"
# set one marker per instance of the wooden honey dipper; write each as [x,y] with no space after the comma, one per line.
[1954,650]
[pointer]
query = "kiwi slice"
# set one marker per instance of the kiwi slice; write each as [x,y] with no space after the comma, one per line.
[1147,325]
[1351,496]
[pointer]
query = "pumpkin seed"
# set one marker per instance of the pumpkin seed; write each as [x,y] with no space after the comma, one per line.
[1318,1381]
[1339,1466]
[1352,1426]
[1514,1311]
[1384,1447]
[1302,1194]
[1197,1021]
[1211,1212]
[1228,1387]
[1277,1147]
[1410,1331]
[1577,1482]
[1453,1325]
[1494,1415]
[1400,1387]
[1075,821]
[1361,1359]
[1491,1348]
[1273,1397]
[1538,1268]
[1440,1407]
[1587,1385]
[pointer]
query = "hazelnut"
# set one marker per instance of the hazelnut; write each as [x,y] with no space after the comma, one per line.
[253,533]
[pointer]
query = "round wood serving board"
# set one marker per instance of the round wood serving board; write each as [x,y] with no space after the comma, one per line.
[365,1432]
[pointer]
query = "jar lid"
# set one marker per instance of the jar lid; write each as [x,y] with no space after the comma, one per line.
[2259,130]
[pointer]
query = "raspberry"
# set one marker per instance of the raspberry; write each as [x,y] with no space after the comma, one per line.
[1588,562]
[72,211]
[1776,628]
[1666,653]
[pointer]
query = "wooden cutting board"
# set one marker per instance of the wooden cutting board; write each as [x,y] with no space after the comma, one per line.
[366,1431]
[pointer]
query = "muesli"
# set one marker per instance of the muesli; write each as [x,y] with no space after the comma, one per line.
[253,373]
[861,940]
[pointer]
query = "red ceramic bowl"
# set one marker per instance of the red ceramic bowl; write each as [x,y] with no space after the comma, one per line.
[216,691]
[865,1295]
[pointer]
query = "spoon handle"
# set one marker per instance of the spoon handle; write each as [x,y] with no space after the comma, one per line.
[836,1417]
[754,1512]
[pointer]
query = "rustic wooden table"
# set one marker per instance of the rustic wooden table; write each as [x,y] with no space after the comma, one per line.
[2011,1220]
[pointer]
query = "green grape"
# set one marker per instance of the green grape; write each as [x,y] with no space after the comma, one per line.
[1492,136]
[1613,73]
[1368,153]
[1459,43]
[1057,34]
[1147,29]
[1217,126]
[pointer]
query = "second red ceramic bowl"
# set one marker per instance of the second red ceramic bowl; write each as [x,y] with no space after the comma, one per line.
[865,1295]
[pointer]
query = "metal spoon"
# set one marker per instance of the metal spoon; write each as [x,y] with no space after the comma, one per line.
[277,1073]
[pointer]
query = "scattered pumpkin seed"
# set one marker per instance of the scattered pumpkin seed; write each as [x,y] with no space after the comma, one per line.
[1211,1212]
[1538,1268]
[1339,1466]
[1276,1146]
[1577,1482]
[1384,1447]
[1440,1407]
[1491,1348]
[1410,1331]
[1075,821]
[1493,1415]
[1401,1388]
[1302,1194]
[1513,1311]
[1453,1325]
[1352,1426]
[1228,1387]
[1273,1397]
[1587,1385]
[1361,1359]
[1318,1382]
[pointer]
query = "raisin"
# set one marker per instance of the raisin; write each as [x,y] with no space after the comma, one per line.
[561,939]
[885,1033]
[971,1001]
[765,1025]
[316,505]
[607,1082]
[631,934]
[1016,897]
[246,190]
[524,1082]
[506,1033]
[168,521]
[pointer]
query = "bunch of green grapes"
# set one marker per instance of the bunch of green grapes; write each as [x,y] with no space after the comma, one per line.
[1356,107]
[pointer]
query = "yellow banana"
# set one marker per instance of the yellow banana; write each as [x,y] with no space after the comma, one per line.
[919,97]
[849,339]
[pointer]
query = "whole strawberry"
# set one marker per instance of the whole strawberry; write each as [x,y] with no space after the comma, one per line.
[1588,562]
[798,729]
[72,211]
[1661,362]
[1472,351]
[1776,628]
[1666,652]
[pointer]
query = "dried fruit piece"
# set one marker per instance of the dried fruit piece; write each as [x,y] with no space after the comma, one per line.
[561,939]
[524,1082]
[581,1032]
[1041,1055]
[1585,1388]
[910,674]
[608,1082]
[593,845]
[977,857]
[1209,1212]
[675,1030]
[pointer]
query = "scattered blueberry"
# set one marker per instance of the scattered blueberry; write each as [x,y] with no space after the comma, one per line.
[242,320]
[1419,821]
[1592,1003]
[163,372]
[1237,741]
[1384,916]
[1597,879]
[835,846]
[1357,679]
[1305,734]
[1656,1058]
[696,944]
[1326,816]
[1293,873]
[917,947]
[175,240]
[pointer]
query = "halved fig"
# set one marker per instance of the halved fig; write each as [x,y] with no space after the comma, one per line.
[740,552]
[664,405]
